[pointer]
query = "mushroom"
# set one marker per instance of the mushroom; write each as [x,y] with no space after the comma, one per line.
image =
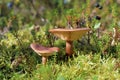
[69,35]
[44,51]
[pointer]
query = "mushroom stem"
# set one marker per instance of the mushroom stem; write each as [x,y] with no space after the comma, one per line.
[44,59]
[69,48]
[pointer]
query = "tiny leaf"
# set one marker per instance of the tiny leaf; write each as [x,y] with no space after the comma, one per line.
[97,25]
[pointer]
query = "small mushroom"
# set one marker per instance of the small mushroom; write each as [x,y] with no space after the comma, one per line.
[44,51]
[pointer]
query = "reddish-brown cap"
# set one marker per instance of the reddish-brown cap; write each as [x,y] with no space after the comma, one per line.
[43,51]
[69,34]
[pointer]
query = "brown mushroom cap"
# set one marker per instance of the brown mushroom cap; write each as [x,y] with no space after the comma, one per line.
[43,51]
[69,34]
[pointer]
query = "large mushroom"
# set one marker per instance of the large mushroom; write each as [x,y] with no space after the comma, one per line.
[44,51]
[69,35]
